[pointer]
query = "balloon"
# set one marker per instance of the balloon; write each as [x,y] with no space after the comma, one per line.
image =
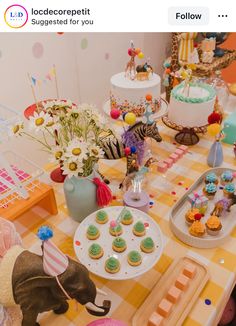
[214,129]
[137,51]
[130,118]
[140,55]
[115,114]
[148,97]
[130,51]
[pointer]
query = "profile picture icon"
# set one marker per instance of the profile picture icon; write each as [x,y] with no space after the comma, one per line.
[16,16]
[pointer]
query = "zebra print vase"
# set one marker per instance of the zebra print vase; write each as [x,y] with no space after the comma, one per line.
[80,195]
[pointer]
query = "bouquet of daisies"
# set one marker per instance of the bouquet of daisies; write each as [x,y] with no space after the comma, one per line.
[69,133]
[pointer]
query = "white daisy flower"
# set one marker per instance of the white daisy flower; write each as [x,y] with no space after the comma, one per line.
[77,149]
[74,112]
[72,168]
[39,120]
[96,151]
[16,129]
[57,154]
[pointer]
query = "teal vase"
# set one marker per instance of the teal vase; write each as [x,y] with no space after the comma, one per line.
[80,195]
[215,157]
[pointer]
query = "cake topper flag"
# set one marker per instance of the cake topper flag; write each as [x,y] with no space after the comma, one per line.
[54,261]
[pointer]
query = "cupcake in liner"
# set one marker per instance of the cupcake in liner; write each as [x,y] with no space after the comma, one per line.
[226,177]
[189,216]
[211,178]
[229,190]
[197,229]
[213,225]
[210,190]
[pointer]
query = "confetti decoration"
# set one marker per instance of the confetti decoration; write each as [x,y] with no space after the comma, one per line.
[208,302]
[77,243]
[60,33]
[37,50]
[173,193]
[84,44]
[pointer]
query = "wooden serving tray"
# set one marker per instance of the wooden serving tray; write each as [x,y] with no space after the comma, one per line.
[177,216]
[182,308]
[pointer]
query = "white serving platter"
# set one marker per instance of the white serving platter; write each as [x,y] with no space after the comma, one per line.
[177,216]
[105,240]
[156,116]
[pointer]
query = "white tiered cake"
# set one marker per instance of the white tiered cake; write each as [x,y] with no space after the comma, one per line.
[191,107]
[129,95]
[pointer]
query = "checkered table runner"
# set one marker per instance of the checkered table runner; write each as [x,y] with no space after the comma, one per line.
[127,296]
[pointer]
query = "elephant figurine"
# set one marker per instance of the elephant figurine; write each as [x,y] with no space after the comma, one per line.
[43,283]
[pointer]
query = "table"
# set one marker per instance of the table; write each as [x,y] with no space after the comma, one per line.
[127,296]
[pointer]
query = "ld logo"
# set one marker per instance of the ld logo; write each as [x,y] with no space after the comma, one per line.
[16,16]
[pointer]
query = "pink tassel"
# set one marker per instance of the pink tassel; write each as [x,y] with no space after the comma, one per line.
[104,195]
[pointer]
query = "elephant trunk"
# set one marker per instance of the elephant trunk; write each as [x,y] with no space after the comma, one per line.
[96,310]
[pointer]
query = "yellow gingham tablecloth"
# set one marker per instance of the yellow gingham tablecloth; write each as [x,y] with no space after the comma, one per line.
[127,296]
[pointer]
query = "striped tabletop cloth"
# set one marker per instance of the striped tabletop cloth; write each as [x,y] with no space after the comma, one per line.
[127,296]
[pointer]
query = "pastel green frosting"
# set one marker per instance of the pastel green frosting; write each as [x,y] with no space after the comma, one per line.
[127,215]
[148,243]
[119,242]
[118,228]
[101,215]
[112,263]
[179,96]
[134,256]
[227,176]
[139,227]
[211,188]
[230,188]
[211,177]
[92,230]
[95,249]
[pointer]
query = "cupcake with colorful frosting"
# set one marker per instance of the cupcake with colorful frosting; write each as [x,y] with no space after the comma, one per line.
[95,251]
[211,178]
[112,265]
[134,258]
[226,177]
[229,190]
[101,217]
[190,215]
[210,190]
[127,218]
[147,245]
[119,244]
[197,229]
[116,230]
[139,229]
[92,232]
[213,225]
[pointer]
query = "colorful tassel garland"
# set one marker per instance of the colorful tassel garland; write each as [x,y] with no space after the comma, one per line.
[104,194]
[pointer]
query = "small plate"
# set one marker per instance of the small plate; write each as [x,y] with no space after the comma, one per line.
[82,244]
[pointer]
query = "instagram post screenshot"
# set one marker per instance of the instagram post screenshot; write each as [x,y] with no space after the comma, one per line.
[117,163]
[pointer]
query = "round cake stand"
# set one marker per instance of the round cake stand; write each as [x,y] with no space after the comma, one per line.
[186,135]
[163,110]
